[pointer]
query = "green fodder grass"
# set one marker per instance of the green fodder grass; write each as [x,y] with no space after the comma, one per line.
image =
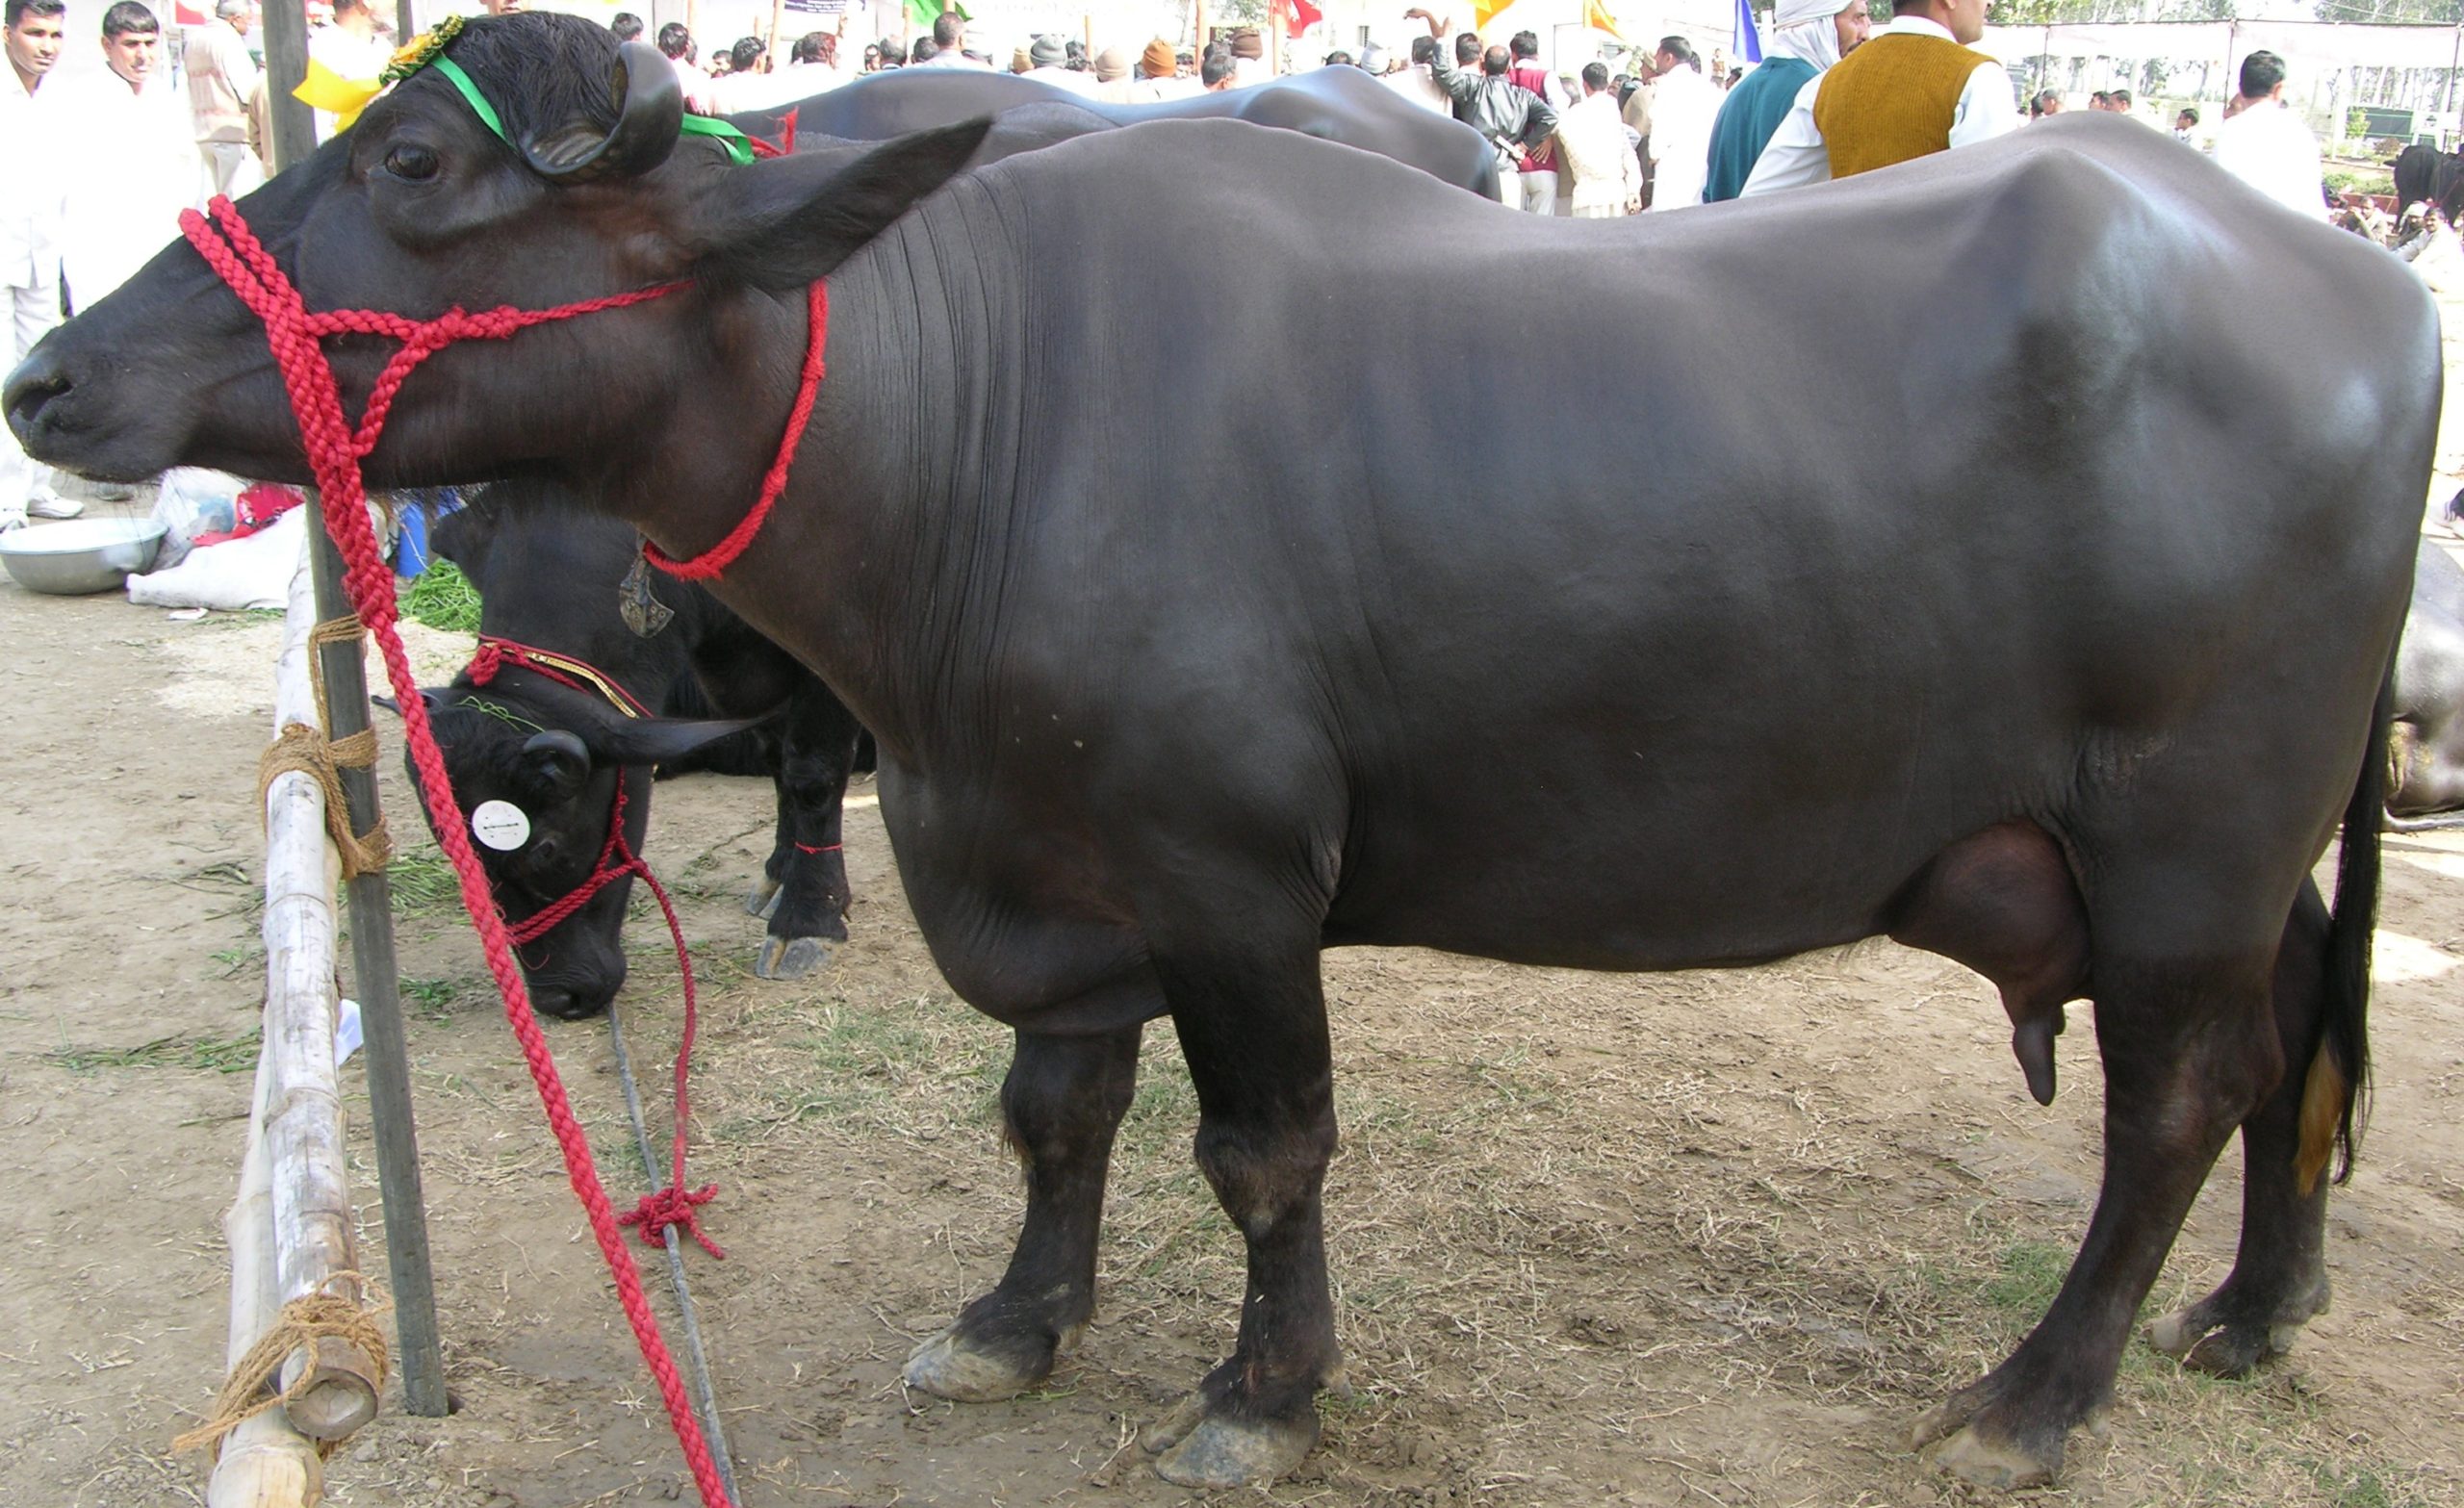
[443,599]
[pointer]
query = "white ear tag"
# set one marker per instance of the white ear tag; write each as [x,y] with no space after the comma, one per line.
[500,824]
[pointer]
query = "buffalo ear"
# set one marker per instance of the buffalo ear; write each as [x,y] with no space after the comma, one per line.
[787,222]
[555,766]
[657,740]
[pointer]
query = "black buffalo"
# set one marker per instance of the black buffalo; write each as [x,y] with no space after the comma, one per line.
[1338,104]
[2424,174]
[2005,553]
[548,578]
[2427,760]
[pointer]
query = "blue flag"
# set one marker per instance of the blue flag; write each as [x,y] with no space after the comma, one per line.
[1746,46]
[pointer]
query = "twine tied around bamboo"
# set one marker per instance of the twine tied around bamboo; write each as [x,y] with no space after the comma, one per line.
[304,1322]
[313,754]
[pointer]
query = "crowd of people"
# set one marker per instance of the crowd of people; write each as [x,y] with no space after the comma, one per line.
[100,165]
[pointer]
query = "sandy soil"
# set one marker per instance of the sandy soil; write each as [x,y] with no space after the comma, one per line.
[1597,1240]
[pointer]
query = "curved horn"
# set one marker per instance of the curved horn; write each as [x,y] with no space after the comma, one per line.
[650,112]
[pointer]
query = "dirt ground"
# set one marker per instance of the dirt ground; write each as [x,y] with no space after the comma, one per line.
[1597,1240]
[1651,1240]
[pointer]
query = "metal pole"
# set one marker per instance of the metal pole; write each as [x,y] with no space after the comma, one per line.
[372,917]
[380,1011]
[406,22]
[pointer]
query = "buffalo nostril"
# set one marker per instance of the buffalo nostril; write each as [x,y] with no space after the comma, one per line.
[37,381]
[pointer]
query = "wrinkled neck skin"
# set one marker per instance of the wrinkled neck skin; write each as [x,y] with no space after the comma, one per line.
[870,569]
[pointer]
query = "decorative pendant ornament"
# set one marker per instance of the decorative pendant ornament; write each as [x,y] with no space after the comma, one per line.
[323,89]
[643,612]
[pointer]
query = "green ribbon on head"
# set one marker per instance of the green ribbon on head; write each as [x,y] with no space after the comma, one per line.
[479,105]
[739,151]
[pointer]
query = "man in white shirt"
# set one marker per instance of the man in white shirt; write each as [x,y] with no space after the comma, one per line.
[29,234]
[1417,83]
[350,49]
[1927,51]
[1048,58]
[127,155]
[949,39]
[1684,107]
[2265,145]
[222,78]
[675,44]
[1598,150]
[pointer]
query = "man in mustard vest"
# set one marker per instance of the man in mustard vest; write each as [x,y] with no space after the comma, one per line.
[1917,87]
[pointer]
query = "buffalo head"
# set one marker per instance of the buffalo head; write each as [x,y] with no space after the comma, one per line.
[581,189]
[537,768]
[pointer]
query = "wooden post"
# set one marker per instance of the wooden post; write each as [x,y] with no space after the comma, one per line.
[294,128]
[265,1462]
[418,1353]
[313,1244]
[778,24]
[406,22]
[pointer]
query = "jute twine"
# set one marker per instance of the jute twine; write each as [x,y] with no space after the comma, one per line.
[308,750]
[304,1322]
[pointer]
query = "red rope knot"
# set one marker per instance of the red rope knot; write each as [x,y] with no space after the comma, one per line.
[826,848]
[672,1206]
[485,661]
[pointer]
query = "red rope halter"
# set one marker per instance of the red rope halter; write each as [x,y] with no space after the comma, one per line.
[334,450]
[672,1205]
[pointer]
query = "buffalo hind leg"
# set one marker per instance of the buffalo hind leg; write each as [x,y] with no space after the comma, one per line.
[1061,1104]
[1255,1037]
[2279,1278]
[808,911]
[2188,1052]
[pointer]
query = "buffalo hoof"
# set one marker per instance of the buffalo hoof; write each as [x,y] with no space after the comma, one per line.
[2219,1347]
[1977,1453]
[1991,1465]
[950,1366]
[1195,1448]
[790,957]
[762,899]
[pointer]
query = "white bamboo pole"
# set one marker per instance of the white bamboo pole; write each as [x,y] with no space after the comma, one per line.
[312,1234]
[265,1462]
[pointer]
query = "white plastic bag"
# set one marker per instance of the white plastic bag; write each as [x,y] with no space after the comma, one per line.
[194,502]
[254,570]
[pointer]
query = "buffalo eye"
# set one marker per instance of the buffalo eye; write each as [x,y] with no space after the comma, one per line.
[411,161]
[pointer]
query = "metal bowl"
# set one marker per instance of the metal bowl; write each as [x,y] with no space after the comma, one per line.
[81,555]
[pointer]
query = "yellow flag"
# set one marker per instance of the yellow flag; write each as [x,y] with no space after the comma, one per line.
[325,89]
[1483,12]
[1595,16]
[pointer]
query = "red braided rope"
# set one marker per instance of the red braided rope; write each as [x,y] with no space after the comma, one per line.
[672,1205]
[333,453]
[721,556]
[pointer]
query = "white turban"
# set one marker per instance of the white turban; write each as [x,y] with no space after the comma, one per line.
[1816,42]
[1791,11]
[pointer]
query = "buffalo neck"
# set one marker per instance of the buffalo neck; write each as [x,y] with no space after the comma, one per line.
[883,556]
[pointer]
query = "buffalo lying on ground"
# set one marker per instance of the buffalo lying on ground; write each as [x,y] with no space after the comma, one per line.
[2005,553]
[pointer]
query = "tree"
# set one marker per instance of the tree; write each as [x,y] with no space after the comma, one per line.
[2425,12]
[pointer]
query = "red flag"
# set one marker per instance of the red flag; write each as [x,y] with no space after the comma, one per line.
[184,15]
[1298,15]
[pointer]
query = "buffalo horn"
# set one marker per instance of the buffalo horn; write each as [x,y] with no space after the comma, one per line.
[650,114]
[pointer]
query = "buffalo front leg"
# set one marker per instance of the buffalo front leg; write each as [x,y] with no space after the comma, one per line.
[809,912]
[2279,1279]
[1256,1043]
[1061,1104]
[2187,1055]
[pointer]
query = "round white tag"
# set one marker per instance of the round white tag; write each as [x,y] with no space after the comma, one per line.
[500,824]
